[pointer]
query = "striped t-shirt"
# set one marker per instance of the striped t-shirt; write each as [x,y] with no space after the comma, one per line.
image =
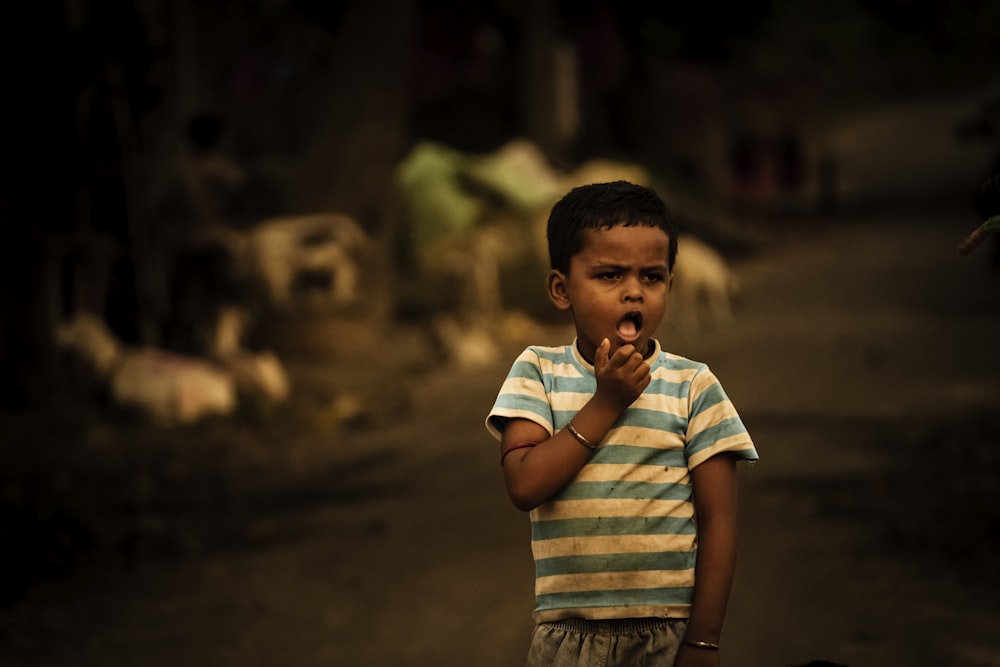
[619,541]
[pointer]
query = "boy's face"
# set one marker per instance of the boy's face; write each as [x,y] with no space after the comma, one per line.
[616,288]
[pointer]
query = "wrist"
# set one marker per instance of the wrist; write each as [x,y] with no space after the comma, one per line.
[705,646]
[579,436]
[607,409]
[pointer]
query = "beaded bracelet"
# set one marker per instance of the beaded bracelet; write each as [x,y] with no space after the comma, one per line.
[576,434]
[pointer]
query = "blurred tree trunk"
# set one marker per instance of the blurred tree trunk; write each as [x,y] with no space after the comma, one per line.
[549,96]
[361,121]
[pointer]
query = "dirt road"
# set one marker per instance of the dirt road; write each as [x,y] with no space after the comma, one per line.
[863,358]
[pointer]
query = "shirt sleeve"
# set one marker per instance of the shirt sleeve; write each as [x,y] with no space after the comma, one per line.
[522,396]
[714,426]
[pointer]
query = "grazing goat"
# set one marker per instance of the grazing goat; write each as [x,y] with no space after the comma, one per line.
[704,285]
[257,374]
[312,257]
[169,388]
[174,388]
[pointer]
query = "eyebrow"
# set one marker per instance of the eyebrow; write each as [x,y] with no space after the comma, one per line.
[604,266]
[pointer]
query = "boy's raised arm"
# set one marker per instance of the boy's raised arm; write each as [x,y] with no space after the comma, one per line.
[537,466]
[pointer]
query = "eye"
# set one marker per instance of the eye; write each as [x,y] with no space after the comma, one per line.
[609,275]
[654,277]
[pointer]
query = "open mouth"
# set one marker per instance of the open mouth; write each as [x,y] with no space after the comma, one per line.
[629,326]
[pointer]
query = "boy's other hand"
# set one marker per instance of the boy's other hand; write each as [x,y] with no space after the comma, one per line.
[622,376]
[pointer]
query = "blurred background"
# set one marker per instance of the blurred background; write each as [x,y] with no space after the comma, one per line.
[266,263]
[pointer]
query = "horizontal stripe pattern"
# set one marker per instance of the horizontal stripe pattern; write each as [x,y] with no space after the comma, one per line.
[633,562]
[606,472]
[621,537]
[563,508]
[608,544]
[643,602]
[622,489]
[610,525]
[590,581]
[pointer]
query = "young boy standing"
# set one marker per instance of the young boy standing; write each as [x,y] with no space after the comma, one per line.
[624,454]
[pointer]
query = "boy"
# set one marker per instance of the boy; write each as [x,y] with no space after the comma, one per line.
[624,454]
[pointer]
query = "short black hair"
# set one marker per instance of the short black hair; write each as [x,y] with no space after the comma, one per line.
[602,206]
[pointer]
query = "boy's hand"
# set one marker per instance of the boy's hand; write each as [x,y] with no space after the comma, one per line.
[622,377]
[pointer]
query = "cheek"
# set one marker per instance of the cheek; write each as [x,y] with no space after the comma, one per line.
[660,302]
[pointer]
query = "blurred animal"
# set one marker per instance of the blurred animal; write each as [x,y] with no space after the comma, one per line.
[704,285]
[302,260]
[256,374]
[177,388]
[169,388]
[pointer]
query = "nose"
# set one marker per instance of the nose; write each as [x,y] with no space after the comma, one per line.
[632,290]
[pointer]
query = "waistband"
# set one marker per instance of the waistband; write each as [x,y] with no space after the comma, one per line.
[613,626]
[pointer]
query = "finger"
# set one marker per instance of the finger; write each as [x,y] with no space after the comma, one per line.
[633,361]
[623,354]
[640,375]
[601,359]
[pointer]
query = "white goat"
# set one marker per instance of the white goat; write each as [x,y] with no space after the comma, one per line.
[170,388]
[258,374]
[704,285]
[284,253]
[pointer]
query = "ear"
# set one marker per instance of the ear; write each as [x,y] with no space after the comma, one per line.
[556,283]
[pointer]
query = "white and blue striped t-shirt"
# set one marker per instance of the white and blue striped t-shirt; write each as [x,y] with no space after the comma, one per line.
[619,541]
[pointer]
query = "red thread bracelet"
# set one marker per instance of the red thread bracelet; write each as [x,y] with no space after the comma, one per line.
[520,445]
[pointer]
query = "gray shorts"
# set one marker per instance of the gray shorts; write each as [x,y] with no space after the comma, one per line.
[631,642]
